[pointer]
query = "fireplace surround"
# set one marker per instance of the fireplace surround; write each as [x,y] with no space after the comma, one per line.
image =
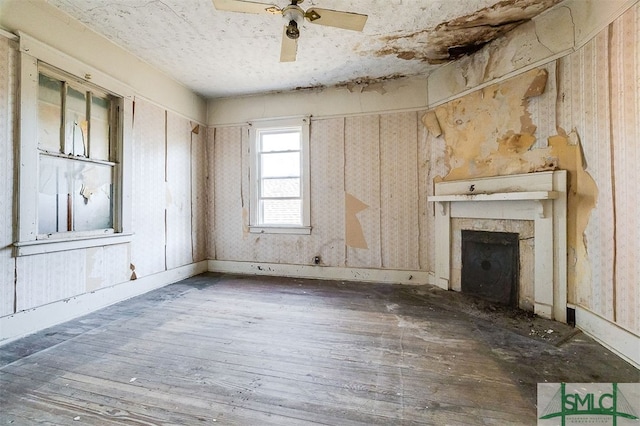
[539,197]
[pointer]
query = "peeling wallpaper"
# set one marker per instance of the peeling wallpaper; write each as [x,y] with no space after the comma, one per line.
[360,169]
[362,183]
[491,132]
[168,164]
[559,116]
[584,120]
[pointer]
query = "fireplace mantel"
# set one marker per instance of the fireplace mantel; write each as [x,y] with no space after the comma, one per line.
[539,197]
[499,196]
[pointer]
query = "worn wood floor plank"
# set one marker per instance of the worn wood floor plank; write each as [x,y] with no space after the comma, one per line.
[250,350]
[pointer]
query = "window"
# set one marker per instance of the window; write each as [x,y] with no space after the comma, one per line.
[77,158]
[280,176]
[71,182]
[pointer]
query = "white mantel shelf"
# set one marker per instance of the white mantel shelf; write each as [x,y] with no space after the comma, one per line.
[500,196]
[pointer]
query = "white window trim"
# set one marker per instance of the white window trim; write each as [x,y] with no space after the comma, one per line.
[260,125]
[27,242]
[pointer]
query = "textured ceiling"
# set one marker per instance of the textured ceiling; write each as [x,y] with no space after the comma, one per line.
[222,54]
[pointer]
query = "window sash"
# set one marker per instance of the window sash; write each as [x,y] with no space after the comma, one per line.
[284,164]
[36,57]
[280,177]
[75,194]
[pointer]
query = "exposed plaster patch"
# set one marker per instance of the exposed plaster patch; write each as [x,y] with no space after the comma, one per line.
[463,35]
[581,200]
[354,235]
[245,222]
[537,86]
[490,133]
[430,121]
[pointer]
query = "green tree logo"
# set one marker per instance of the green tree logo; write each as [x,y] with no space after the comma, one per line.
[612,404]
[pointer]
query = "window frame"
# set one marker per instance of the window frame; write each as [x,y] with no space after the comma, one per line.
[257,128]
[34,56]
[113,161]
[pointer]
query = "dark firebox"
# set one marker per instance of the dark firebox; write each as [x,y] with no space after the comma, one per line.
[490,266]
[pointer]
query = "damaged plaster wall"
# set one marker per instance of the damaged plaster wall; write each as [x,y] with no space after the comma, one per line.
[578,113]
[552,34]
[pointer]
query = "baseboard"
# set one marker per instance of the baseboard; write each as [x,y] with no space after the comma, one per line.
[615,338]
[323,272]
[26,322]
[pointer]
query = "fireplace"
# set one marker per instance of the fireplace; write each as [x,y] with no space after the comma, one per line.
[490,266]
[534,198]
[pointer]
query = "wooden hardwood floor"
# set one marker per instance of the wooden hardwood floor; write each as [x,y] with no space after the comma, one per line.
[218,349]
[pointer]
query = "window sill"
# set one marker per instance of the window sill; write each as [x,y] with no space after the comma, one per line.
[28,248]
[299,230]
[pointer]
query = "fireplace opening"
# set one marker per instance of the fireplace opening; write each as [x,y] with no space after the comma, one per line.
[490,263]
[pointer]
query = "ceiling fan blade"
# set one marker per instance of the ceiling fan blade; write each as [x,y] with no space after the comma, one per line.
[335,18]
[289,48]
[246,6]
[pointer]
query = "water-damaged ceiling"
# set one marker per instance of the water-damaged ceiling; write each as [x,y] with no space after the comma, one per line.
[221,54]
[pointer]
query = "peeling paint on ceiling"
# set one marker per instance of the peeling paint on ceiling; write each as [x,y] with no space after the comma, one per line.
[466,34]
[223,54]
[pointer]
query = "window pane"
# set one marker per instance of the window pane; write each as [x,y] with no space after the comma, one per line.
[77,126]
[281,187]
[280,165]
[49,113]
[93,198]
[99,132]
[280,141]
[281,212]
[53,195]
[74,196]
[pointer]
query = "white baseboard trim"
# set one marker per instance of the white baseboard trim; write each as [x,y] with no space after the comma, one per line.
[394,276]
[26,322]
[615,338]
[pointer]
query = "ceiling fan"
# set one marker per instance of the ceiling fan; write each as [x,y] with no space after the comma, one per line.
[294,16]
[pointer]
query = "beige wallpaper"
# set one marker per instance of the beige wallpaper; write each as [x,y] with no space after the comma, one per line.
[148,247]
[362,185]
[178,191]
[8,82]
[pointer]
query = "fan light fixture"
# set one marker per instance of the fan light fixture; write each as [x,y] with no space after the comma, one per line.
[294,17]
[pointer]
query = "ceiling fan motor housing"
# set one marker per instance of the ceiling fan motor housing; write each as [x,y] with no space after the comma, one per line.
[295,16]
